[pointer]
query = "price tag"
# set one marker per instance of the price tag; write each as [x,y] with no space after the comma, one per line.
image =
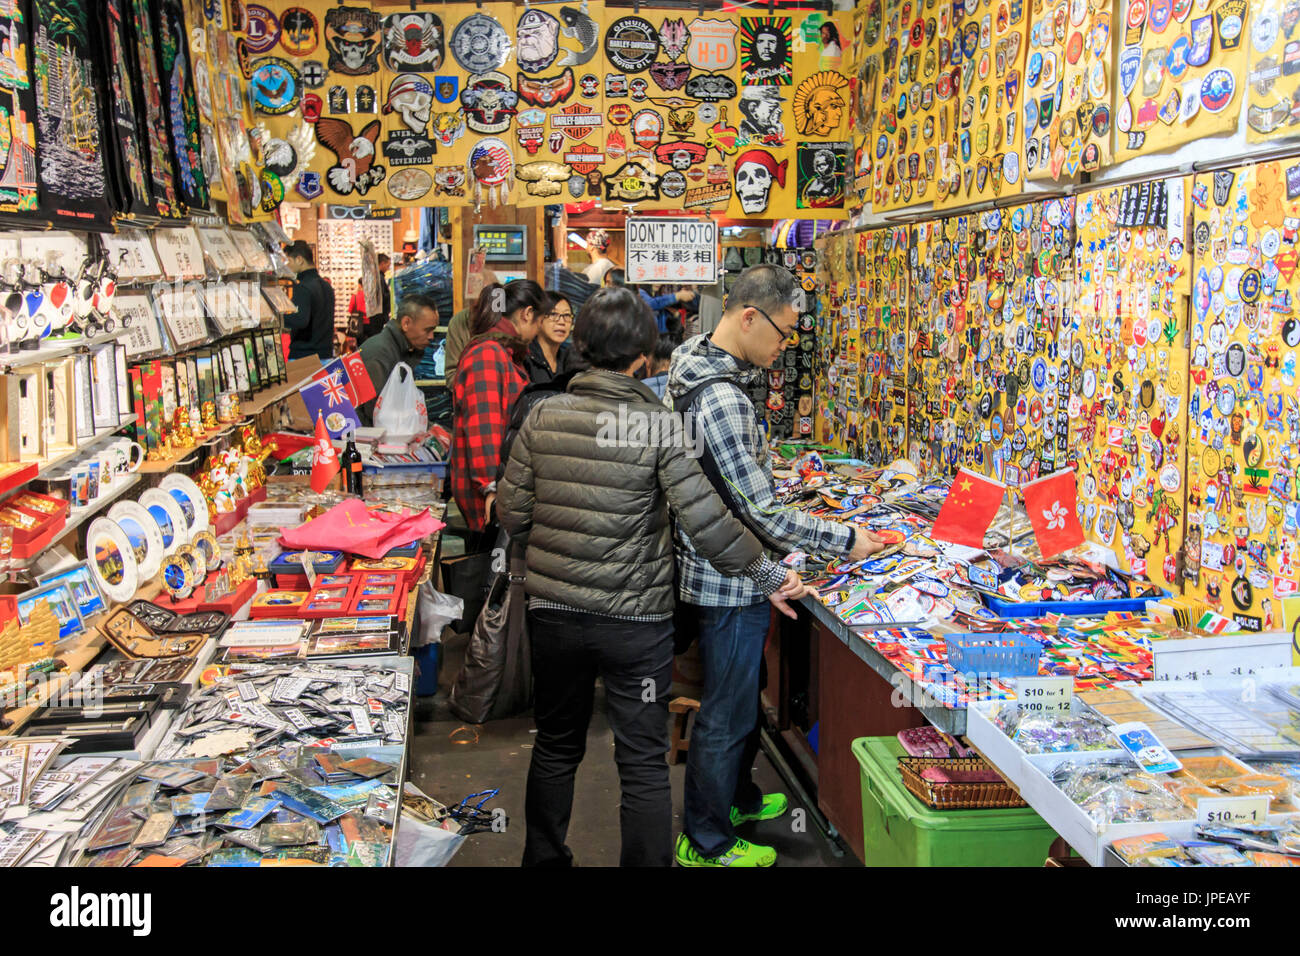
[1231,811]
[1045,695]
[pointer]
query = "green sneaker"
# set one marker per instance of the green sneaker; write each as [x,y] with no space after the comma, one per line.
[742,854]
[773,806]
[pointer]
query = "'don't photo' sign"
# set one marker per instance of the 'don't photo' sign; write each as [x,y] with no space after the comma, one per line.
[672,250]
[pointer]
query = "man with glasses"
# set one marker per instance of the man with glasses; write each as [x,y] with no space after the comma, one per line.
[710,377]
[551,355]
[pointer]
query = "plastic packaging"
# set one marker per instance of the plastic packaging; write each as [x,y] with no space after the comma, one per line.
[1053,733]
[1116,790]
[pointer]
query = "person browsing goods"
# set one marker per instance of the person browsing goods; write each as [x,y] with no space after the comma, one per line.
[403,339]
[710,377]
[594,516]
[311,325]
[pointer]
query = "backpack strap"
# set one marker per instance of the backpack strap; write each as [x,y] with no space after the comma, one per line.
[709,464]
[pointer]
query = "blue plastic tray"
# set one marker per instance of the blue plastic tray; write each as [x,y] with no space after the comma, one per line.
[995,654]
[1006,609]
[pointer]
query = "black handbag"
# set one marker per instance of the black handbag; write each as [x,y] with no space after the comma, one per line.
[497,678]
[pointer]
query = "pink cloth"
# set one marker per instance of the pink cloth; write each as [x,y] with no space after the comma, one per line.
[354,528]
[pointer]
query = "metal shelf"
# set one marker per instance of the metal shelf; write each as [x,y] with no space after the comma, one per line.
[120,486]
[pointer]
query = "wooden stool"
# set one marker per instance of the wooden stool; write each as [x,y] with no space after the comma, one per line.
[683,707]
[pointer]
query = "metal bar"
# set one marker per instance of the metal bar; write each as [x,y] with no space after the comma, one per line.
[783,770]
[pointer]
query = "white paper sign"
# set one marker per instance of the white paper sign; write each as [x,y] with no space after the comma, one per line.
[1045,695]
[677,251]
[1231,811]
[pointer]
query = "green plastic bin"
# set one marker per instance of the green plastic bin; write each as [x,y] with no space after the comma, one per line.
[899,830]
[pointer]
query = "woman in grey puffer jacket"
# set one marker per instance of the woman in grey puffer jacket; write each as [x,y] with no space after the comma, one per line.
[592,477]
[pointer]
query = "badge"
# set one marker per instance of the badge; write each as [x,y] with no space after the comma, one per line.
[413,42]
[819,103]
[299,31]
[355,169]
[1202,41]
[547,91]
[1130,66]
[408,185]
[490,165]
[589,85]
[1230,18]
[712,45]
[309,186]
[263,28]
[632,182]
[537,36]
[352,37]
[711,88]
[631,44]
[313,74]
[275,86]
[480,44]
[1159,15]
[446,89]
[489,102]
[1217,90]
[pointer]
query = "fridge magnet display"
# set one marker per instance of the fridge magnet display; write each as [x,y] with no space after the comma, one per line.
[171,520]
[60,600]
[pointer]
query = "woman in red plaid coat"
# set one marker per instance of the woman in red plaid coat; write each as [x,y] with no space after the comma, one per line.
[491,374]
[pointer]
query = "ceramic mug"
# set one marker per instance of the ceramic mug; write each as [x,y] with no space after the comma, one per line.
[122,458]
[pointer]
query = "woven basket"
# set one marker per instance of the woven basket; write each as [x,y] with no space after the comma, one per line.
[956,796]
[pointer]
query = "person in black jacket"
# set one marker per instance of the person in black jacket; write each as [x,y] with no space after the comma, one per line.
[311,327]
[590,506]
[551,354]
[403,339]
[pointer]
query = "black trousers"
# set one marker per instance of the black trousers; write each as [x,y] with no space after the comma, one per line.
[635,662]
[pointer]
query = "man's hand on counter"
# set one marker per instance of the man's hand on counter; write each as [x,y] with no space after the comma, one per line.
[792,590]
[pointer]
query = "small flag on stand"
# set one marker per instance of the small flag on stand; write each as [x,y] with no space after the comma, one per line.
[324,459]
[351,371]
[327,398]
[969,509]
[1052,505]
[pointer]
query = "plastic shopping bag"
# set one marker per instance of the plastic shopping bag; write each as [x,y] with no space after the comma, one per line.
[399,410]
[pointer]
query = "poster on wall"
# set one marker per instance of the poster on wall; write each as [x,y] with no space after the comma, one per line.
[18,176]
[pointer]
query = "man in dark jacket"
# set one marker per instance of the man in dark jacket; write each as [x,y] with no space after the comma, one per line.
[311,327]
[592,477]
[402,340]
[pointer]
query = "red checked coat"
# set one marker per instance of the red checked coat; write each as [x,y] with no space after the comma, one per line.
[487,383]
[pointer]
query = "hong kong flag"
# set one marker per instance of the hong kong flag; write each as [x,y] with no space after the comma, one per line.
[1051,503]
[968,510]
[324,459]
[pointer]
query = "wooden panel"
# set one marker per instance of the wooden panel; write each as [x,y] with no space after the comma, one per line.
[852,701]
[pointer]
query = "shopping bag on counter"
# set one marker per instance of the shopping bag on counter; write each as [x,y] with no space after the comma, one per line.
[399,410]
[351,526]
[496,680]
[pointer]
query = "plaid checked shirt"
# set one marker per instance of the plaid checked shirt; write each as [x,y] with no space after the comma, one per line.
[725,419]
[487,383]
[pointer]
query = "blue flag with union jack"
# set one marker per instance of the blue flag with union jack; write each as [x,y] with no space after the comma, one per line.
[327,397]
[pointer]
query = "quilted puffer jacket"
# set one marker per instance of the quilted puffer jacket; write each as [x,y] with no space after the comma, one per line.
[590,497]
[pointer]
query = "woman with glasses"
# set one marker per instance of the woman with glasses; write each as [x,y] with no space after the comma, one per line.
[551,354]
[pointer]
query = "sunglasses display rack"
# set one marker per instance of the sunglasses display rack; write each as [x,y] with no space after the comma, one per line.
[338,255]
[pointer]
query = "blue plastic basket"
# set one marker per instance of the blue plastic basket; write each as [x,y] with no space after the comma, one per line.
[994,655]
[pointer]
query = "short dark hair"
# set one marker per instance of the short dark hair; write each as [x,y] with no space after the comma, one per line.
[384,257]
[557,298]
[299,247]
[665,347]
[616,277]
[414,303]
[614,329]
[768,287]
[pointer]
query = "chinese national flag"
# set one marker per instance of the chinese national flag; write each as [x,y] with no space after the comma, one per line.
[1051,504]
[968,510]
[324,459]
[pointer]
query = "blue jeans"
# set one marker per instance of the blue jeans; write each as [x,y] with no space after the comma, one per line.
[724,740]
